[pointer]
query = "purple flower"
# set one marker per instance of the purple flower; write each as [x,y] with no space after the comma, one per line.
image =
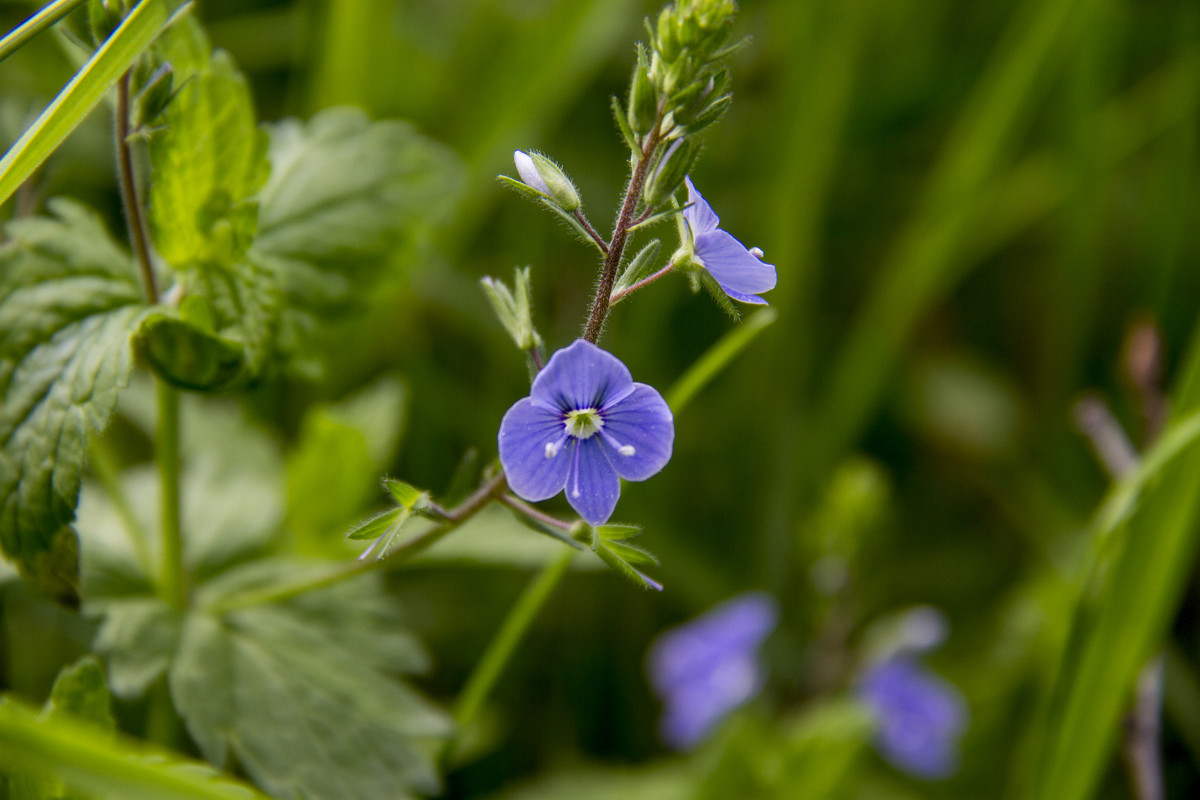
[706,668]
[741,273]
[920,717]
[584,426]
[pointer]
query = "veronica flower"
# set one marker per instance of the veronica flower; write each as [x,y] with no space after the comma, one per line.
[584,426]
[920,716]
[741,273]
[708,667]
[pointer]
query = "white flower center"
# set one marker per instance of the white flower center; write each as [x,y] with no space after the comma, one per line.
[584,423]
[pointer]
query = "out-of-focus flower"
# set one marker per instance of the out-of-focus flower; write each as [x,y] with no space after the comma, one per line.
[585,425]
[920,716]
[706,668]
[740,272]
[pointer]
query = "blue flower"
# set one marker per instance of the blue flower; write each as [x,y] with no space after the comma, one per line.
[741,273]
[710,666]
[584,426]
[920,717]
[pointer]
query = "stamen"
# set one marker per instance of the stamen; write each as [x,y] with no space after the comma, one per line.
[756,252]
[553,448]
[623,449]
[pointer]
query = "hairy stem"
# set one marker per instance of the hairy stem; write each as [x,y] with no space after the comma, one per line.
[172,578]
[520,506]
[451,519]
[587,226]
[644,282]
[487,672]
[616,245]
[134,219]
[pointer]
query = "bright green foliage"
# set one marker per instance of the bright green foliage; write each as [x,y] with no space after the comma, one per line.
[306,701]
[208,161]
[69,301]
[83,93]
[344,194]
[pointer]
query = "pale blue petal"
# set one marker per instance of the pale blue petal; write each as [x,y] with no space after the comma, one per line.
[699,214]
[581,375]
[733,265]
[592,485]
[743,298]
[524,433]
[642,421]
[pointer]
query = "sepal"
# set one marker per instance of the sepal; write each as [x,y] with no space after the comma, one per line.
[609,543]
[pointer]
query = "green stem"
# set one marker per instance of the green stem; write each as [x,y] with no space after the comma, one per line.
[39,22]
[134,219]
[512,631]
[172,579]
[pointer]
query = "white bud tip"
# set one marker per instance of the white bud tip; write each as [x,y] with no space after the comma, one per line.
[756,252]
[626,450]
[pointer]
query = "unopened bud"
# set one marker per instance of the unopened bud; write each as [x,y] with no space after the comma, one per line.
[643,105]
[152,100]
[672,167]
[545,176]
[104,16]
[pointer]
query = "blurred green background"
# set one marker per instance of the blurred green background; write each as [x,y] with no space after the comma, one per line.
[969,205]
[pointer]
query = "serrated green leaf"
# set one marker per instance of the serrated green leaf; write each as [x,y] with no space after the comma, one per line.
[69,301]
[345,194]
[314,711]
[207,162]
[377,525]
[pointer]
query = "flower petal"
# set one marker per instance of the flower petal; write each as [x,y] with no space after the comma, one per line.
[642,421]
[524,433]
[592,485]
[732,265]
[699,214]
[581,375]
[743,298]
[529,172]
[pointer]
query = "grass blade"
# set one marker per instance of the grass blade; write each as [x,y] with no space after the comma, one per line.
[716,358]
[50,14]
[84,91]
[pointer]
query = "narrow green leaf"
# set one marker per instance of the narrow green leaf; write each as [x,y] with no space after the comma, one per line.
[49,14]
[632,553]
[84,91]
[405,494]
[615,533]
[69,301]
[717,358]
[375,526]
[639,266]
[107,767]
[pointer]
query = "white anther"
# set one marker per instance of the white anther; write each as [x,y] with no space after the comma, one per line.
[552,449]
[626,450]
[756,252]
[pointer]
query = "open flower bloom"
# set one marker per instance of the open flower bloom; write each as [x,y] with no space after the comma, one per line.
[741,273]
[920,716]
[585,425]
[706,668]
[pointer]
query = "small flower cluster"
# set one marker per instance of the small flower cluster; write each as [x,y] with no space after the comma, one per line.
[585,424]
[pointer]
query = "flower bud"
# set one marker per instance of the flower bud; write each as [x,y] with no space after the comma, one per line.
[643,104]
[152,100]
[543,175]
[104,16]
[513,308]
[670,170]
